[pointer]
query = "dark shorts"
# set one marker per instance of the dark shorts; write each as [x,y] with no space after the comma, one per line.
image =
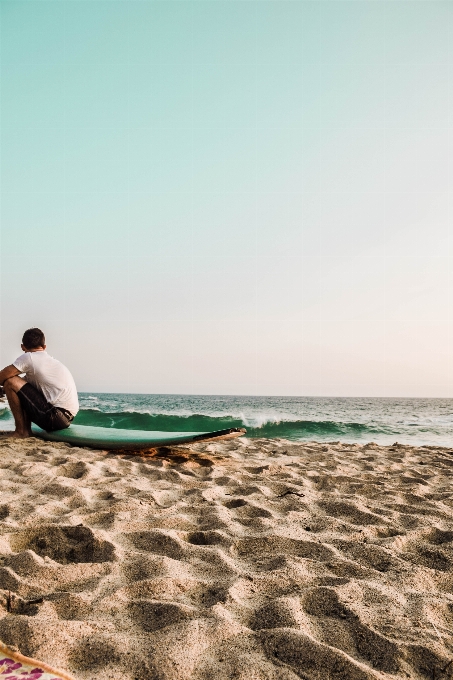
[40,412]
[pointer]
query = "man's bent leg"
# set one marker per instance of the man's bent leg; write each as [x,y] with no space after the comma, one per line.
[21,419]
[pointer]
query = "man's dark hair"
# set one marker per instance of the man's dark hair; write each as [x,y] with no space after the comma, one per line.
[33,338]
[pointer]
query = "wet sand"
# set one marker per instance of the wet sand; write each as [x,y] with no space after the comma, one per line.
[248,559]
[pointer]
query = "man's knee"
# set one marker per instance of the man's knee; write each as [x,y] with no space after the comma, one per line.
[13,384]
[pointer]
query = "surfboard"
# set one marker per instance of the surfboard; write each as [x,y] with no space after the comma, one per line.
[114,438]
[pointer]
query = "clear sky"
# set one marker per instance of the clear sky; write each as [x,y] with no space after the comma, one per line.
[243,197]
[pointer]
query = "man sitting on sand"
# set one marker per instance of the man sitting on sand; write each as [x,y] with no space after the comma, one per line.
[46,396]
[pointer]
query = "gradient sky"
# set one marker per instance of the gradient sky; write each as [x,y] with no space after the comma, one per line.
[240,197]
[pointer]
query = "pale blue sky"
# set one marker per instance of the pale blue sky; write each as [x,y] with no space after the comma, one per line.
[248,197]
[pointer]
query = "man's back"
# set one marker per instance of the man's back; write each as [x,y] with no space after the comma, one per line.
[51,377]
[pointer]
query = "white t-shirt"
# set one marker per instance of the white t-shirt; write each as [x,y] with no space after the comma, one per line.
[51,377]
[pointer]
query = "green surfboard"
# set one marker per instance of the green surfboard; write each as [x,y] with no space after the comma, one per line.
[114,438]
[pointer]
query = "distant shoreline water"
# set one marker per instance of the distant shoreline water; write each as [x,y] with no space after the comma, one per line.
[384,421]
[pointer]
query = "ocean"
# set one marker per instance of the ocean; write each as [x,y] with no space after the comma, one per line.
[384,421]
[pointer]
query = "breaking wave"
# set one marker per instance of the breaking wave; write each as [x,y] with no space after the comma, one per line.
[286,429]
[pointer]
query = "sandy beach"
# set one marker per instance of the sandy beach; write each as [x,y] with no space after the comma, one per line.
[248,559]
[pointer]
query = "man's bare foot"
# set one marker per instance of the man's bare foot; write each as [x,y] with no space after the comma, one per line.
[17,435]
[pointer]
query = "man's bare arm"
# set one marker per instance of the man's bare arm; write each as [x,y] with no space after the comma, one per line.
[8,372]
